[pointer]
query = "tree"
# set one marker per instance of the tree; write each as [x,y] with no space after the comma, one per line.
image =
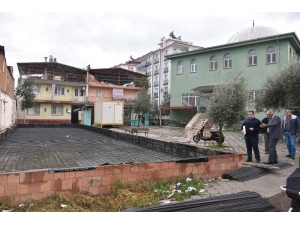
[142,105]
[154,109]
[281,89]
[227,105]
[166,103]
[24,92]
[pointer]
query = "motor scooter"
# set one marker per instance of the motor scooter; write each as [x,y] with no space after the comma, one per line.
[214,134]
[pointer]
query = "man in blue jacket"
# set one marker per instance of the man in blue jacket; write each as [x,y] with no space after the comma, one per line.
[290,129]
[251,128]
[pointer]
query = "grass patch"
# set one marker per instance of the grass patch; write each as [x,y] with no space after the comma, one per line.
[122,196]
[218,146]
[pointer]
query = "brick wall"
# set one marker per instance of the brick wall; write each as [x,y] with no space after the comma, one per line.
[37,185]
[6,77]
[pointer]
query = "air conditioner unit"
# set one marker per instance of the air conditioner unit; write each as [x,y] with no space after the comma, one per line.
[83,88]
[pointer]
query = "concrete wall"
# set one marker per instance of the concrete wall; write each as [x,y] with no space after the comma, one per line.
[21,187]
[7,100]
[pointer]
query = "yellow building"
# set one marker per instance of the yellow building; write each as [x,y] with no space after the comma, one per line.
[59,90]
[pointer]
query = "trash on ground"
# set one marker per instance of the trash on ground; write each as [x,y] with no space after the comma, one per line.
[190,189]
[201,190]
[188,179]
[170,195]
[64,206]
[165,201]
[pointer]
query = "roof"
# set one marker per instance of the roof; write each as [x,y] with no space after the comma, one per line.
[253,32]
[67,73]
[292,36]
[118,76]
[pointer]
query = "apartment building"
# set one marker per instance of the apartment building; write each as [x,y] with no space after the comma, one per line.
[158,68]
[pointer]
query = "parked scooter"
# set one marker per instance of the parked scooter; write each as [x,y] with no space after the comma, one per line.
[214,134]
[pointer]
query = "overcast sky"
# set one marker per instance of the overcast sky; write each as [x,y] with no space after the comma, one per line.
[105,39]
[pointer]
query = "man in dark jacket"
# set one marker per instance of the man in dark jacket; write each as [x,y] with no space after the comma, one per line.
[290,129]
[265,132]
[274,135]
[251,128]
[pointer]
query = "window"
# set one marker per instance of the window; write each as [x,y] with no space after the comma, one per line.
[34,110]
[59,91]
[78,92]
[227,61]
[57,110]
[36,89]
[180,68]
[271,55]
[252,58]
[213,63]
[193,65]
[100,93]
[189,99]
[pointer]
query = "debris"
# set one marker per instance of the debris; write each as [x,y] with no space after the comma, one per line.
[220,178]
[165,201]
[190,189]
[64,206]
[170,195]
[201,190]
[21,205]
[188,179]
[67,135]
[178,185]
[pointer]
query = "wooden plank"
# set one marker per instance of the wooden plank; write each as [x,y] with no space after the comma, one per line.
[264,166]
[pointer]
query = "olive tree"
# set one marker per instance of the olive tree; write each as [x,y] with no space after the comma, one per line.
[281,89]
[142,104]
[227,106]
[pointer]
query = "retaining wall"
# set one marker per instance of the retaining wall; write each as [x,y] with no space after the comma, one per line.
[17,188]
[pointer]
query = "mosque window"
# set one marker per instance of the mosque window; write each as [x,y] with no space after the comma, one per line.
[227,61]
[271,55]
[213,63]
[180,67]
[193,65]
[252,58]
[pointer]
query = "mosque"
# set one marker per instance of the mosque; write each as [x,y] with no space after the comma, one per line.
[256,51]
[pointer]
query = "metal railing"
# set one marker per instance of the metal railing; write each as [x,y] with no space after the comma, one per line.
[155,84]
[166,82]
[156,72]
[166,69]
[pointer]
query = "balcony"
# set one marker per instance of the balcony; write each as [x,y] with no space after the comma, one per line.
[58,98]
[165,93]
[155,94]
[165,59]
[149,63]
[148,73]
[166,69]
[156,72]
[155,83]
[156,60]
[166,82]
[149,85]
[142,65]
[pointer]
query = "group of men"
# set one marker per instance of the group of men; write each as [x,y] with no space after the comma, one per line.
[273,129]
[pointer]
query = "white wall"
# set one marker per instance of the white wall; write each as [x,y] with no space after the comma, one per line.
[8,113]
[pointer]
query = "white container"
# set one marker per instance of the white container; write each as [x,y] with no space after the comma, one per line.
[109,113]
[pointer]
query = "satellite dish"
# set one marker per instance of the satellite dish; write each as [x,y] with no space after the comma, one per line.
[50,58]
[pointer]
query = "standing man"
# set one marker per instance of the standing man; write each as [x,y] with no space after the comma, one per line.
[251,131]
[290,129]
[274,135]
[265,132]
